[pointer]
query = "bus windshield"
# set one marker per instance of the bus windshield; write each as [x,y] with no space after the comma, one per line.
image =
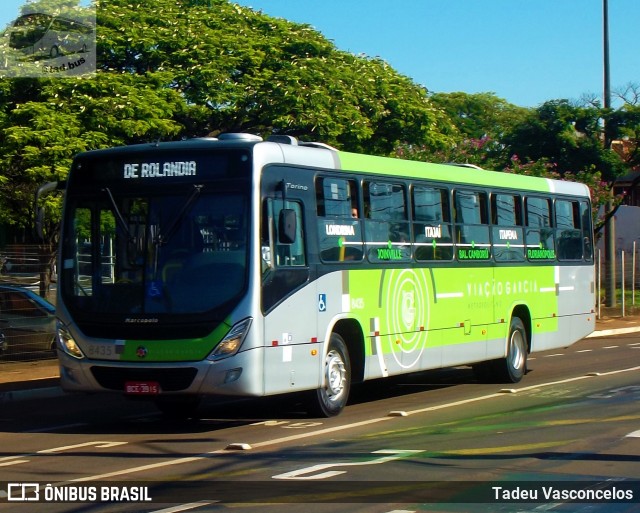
[183,252]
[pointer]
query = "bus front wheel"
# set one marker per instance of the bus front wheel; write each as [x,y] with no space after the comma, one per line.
[332,396]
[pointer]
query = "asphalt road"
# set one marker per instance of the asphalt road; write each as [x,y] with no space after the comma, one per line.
[435,441]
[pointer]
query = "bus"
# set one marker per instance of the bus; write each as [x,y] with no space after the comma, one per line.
[40,34]
[237,266]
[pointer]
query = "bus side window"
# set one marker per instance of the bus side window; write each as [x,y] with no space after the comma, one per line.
[387,230]
[587,231]
[338,226]
[287,254]
[432,224]
[472,226]
[539,234]
[568,232]
[507,233]
[334,197]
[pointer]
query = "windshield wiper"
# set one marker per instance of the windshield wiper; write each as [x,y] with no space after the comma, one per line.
[163,238]
[119,216]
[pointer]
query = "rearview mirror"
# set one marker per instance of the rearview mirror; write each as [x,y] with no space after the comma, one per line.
[287,226]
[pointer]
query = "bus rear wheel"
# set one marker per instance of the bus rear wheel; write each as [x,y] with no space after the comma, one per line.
[513,367]
[331,398]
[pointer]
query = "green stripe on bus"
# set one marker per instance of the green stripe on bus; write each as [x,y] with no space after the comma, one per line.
[420,307]
[439,172]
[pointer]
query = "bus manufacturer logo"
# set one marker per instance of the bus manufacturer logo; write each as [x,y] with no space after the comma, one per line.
[141,352]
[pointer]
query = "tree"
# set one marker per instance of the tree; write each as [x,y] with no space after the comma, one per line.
[480,115]
[171,69]
[177,68]
[249,72]
[481,122]
[567,135]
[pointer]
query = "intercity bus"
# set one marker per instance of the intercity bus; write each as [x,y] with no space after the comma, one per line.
[241,267]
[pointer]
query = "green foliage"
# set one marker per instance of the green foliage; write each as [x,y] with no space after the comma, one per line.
[624,124]
[170,69]
[567,135]
[481,115]
[247,72]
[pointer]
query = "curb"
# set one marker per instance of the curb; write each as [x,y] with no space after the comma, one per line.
[32,393]
[42,388]
[617,331]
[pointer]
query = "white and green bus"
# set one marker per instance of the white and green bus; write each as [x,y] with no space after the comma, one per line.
[242,267]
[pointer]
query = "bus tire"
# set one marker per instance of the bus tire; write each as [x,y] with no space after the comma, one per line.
[513,367]
[331,398]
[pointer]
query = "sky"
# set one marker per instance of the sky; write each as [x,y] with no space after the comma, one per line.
[525,51]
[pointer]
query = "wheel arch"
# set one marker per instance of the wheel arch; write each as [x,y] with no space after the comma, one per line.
[351,332]
[524,314]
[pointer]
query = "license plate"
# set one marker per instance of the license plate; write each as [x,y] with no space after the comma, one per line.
[142,387]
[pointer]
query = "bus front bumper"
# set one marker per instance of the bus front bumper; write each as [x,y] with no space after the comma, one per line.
[235,376]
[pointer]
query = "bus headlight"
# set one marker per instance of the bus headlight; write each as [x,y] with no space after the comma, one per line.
[231,343]
[67,344]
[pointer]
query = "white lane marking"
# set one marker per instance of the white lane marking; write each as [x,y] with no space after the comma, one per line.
[610,347]
[9,458]
[553,355]
[303,473]
[634,434]
[184,507]
[14,462]
[585,351]
[99,445]
[322,432]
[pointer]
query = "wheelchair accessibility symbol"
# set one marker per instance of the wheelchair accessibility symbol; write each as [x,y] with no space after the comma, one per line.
[322,302]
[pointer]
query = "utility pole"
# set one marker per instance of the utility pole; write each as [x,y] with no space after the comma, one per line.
[609,228]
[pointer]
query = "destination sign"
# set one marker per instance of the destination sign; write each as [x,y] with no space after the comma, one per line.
[137,170]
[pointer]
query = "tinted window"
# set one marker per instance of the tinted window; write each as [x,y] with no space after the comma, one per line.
[387,231]
[539,233]
[472,230]
[568,232]
[507,233]
[339,230]
[432,224]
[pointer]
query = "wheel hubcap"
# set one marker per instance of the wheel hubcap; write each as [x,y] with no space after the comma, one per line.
[335,375]
[517,350]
